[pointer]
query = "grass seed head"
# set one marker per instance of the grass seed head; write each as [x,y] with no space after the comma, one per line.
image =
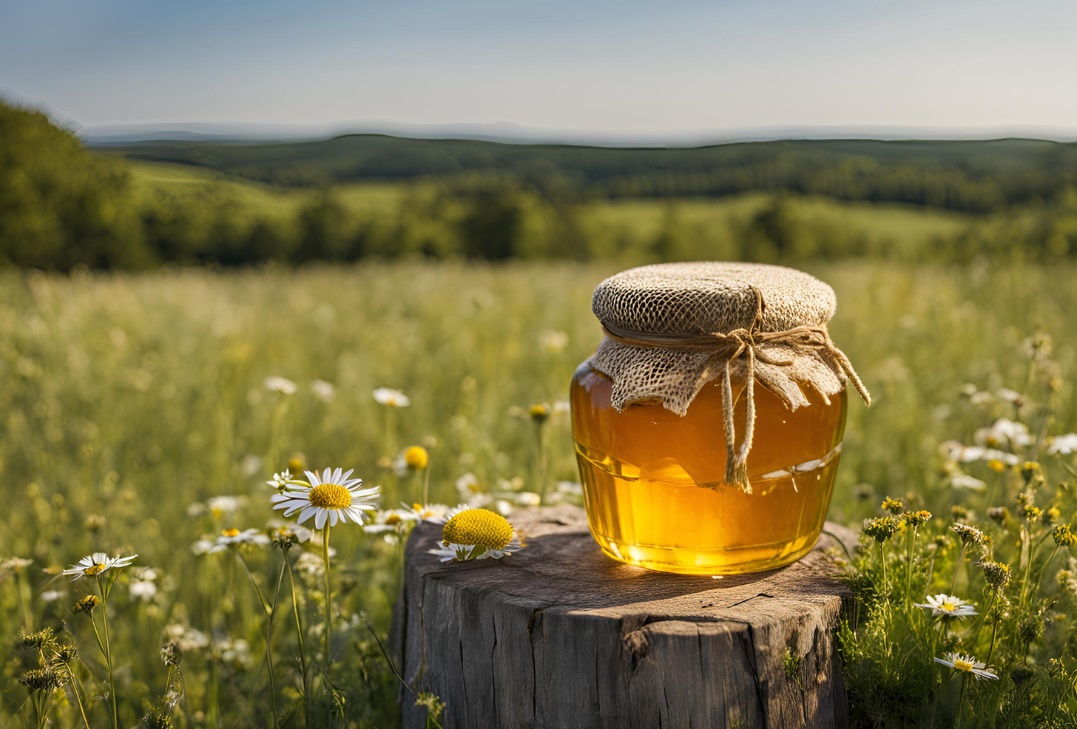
[996,574]
[916,519]
[39,639]
[86,604]
[971,535]
[1064,536]
[880,528]
[40,679]
[998,514]
[894,506]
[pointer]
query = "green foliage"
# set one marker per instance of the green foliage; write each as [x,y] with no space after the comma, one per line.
[323,231]
[991,561]
[61,206]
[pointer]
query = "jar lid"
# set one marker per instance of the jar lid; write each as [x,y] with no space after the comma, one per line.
[671,328]
[697,299]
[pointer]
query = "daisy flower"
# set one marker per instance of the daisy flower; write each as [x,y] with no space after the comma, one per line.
[13,566]
[310,563]
[144,590]
[948,606]
[1063,445]
[961,453]
[528,498]
[281,385]
[553,341]
[391,398]
[323,390]
[330,497]
[393,523]
[476,534]
[283,534]
[280,480]
[964,481]
[1004,432]
[966,664]
[436,513]
[220,506]
[96,564]
[234,537]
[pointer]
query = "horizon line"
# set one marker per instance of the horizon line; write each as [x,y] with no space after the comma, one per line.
[519,133]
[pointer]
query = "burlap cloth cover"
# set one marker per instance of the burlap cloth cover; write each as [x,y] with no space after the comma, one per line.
[671,328]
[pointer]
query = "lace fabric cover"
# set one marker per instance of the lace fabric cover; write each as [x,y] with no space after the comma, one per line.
[686,305]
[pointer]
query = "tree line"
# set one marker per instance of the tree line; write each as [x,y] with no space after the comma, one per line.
[64,206]
[968,176]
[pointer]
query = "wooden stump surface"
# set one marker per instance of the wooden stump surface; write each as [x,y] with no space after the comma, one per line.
[558,635]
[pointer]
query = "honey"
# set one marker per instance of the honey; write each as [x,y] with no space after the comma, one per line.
[653,481]
[708,423]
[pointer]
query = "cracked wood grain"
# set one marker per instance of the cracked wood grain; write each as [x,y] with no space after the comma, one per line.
[558,636]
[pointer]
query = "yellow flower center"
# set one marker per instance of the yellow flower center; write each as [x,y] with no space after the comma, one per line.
[480,527]
[330,496]
[230,532]
[539,412]
[416,457]
[95,569]
[961,664]
[392,519]
[948,606]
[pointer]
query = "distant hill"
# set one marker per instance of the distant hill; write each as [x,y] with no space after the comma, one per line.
[974,176]
[358,197]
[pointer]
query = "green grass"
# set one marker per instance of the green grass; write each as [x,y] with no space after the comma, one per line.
[128,398]
[257,200]
[877,228]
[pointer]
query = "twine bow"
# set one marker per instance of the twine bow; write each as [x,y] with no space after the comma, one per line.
[745,342]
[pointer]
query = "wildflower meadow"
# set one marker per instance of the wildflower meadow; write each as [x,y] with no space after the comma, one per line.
[208,478]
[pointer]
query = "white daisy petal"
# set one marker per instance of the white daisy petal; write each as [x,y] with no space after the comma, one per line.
[96,564]
[330,497]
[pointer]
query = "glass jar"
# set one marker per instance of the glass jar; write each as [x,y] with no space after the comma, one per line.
[655,482]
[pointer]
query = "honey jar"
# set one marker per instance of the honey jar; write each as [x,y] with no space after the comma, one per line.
[708,425]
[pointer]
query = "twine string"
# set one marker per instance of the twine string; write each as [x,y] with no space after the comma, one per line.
[745,342]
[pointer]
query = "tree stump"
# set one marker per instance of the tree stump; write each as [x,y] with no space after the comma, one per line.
[558,635]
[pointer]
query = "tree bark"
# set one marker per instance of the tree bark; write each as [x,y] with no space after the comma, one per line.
[557,635]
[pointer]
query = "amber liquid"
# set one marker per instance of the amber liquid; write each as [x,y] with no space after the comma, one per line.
[653,480]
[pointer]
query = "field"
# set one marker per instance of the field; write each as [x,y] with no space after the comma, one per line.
[628,230]
[132,400]
[255,199]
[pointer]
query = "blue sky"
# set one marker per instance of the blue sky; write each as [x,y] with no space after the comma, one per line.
[624,67]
